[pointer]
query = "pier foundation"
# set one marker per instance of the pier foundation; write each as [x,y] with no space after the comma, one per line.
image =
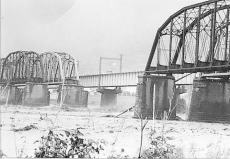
[73,95]
[35,94]
[155,94]
[109,96]
[210,100]
[11,95]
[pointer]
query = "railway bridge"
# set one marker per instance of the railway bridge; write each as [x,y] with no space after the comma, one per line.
[194,40]
[27,77]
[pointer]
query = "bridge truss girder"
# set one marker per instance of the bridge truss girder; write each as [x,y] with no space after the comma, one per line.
[58,67]
[194,39]
[21,67]
[27,66]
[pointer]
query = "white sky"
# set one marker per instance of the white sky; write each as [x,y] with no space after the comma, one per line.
[87,29]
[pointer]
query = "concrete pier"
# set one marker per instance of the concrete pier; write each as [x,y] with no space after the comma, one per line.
[73,95]
[155,93]
[11,95]
[35,94]
[109,96]
[210,100]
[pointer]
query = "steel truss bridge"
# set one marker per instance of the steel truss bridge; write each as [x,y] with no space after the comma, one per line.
[27,66]
[194,39]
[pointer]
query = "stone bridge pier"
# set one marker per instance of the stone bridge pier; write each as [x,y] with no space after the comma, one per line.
[35,94]
[11,95]
[155,94]
[73,95]
[108,96]
[210,100]
[38,94]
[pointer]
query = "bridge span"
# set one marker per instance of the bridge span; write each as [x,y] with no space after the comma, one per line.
[125,79]
[26,76]
[194,40]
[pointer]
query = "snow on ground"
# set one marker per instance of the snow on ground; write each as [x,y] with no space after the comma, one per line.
[120,135]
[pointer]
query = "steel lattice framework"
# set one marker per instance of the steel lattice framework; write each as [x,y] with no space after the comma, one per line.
[1,64]
[20,67]
[28,66]
[58,66]
[194,39]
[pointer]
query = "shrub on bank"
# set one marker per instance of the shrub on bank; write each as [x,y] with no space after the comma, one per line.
[161,149]
[66,144]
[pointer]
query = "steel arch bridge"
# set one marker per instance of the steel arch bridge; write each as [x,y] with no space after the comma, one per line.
[27,66]
[194,39]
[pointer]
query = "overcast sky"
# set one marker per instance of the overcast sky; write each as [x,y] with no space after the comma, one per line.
[87,29]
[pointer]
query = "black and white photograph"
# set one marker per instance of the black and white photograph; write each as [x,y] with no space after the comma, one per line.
[115,79]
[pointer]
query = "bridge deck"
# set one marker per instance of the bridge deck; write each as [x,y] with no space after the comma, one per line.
[125,79]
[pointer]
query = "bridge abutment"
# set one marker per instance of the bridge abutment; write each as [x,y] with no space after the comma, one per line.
[35,94]
[108,96]
[210,100]
[73,95]
[155,93]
